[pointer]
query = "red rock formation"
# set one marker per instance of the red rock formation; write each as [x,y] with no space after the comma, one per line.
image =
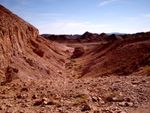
[23,48]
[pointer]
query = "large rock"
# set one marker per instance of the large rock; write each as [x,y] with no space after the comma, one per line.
[78,52]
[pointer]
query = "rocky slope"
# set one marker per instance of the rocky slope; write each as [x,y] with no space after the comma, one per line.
[91,73]
[22,48]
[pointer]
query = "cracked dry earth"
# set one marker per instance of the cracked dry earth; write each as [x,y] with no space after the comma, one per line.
[43,76]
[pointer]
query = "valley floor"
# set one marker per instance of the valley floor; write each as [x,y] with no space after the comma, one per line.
[105,94]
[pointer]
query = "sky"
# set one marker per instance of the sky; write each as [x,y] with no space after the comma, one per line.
[79,16]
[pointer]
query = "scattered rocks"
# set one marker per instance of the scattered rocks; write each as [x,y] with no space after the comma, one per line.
[126,104]
[121,112]
[24,105]
[46,101]
[106,111]
[97,100]
[22,96]
[127,99]
[43,101]
[114,97]
[9,105]
[69,65]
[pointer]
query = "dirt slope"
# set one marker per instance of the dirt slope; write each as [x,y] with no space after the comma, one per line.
[89,74]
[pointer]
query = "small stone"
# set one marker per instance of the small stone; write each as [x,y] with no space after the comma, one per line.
[50,103]
[96,111]
[34,96]
[130,104]
[101,101]
[37,103]
[45,100]
[21,112]
[85,107]
[2,107]
[114,98]
[23,105]
[60,72]
[127,99]
[9,105]
[126,104]
[117,99]
[114,109]
[121,112]
[123,104]
[135,82]
[106,111]
[24,89]
[19,96]
[95,99]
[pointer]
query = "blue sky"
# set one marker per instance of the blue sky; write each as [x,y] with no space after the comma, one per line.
[78,16]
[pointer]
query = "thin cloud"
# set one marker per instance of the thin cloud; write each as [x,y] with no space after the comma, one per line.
[147,15]
[140,23]
[143,18]
[72,27]
[105,2]
[22,2]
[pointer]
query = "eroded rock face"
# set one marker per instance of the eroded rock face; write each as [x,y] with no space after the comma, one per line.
[14,36]
[20,41]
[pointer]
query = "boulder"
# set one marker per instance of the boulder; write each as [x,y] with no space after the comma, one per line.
[78,52]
